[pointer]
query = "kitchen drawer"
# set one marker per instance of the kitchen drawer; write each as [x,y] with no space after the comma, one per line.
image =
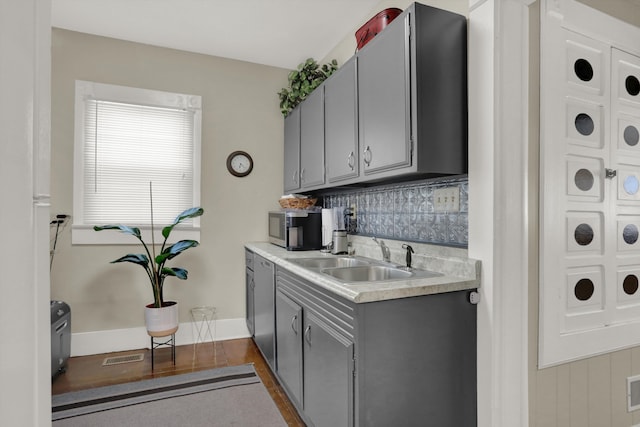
[248,259]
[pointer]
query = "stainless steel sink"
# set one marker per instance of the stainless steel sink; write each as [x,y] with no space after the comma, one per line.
[358,269]
[376,273]
[322,262]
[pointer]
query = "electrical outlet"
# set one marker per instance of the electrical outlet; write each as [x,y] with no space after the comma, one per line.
[447,199]
[354,211]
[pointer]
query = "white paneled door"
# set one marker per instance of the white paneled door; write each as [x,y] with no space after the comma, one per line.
[590,196]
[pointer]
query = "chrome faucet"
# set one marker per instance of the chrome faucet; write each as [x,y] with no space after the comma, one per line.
[386,253]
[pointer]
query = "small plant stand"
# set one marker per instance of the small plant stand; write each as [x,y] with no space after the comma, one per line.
[204,327]
[166,341]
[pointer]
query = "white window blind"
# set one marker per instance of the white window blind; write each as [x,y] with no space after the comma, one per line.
[125,139]
[126,147]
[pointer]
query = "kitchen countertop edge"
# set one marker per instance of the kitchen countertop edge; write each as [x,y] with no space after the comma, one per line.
[364,292]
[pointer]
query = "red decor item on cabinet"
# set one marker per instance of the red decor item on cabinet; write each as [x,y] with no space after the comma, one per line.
[374,25]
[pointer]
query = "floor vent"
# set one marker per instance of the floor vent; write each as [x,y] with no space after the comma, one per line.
[116,360]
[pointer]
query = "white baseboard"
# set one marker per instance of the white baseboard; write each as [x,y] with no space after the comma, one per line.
[86,343]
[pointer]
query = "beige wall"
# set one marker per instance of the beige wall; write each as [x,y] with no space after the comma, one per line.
[240,111]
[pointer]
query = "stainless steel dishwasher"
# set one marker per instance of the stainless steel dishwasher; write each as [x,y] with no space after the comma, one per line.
[264,315]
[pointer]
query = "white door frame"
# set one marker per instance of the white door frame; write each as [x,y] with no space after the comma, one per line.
[25,65]
[502,184]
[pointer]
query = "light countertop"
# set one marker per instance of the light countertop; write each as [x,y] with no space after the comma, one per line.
[457,272]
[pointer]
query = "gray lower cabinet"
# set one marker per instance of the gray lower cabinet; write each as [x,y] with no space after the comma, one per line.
[315,355]
[409,361]
[288,337]
[263,299]
[328,373]
[249,287]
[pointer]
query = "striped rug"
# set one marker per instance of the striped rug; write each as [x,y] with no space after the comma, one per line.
[230,396]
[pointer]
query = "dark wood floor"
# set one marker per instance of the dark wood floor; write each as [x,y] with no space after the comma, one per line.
[87,371]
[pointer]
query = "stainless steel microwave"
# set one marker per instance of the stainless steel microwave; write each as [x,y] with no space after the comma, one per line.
[296,230]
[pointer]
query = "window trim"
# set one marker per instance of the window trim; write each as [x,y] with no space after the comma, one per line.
[83,234]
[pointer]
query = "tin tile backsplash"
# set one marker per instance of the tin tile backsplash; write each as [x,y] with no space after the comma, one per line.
[420,211]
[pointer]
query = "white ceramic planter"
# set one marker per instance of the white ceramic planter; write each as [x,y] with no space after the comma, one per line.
[161,321]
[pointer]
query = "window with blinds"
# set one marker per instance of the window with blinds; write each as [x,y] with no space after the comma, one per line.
[129,141]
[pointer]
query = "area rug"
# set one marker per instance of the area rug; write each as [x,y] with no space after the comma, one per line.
[230,396]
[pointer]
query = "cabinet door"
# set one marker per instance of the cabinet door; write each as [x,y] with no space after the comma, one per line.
[312,139]
[384,99]
[249,302]
[292,151]
[341,124]
[264,319]
[328,374]
[289,342]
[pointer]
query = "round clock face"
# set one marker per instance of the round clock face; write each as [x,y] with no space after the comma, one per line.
[239,163]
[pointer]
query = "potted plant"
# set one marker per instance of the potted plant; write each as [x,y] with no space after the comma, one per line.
[303,81]
[161,317]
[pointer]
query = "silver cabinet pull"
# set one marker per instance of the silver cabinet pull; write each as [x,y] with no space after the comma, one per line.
[302,175]
[293,324]
[351,160]
[367,156]
[307,334]
[295,177]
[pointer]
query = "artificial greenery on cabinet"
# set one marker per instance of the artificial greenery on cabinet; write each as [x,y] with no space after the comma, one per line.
[302,81]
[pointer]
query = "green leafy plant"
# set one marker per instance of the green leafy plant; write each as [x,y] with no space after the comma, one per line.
[302,81]
[153,264]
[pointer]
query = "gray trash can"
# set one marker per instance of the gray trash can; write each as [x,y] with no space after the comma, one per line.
[60,337]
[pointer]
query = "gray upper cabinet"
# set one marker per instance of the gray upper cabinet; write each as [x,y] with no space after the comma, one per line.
[412,86]
[292,151]
[341,124]
[406,116]
[384,99]
[304,144]
[312,140]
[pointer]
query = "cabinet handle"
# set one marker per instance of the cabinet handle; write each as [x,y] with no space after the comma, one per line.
[307,334]
[367,156]
[293,324]
[350,160]
[295,177]
[302,175]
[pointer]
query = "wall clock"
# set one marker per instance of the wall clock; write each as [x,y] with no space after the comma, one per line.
[239,163]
